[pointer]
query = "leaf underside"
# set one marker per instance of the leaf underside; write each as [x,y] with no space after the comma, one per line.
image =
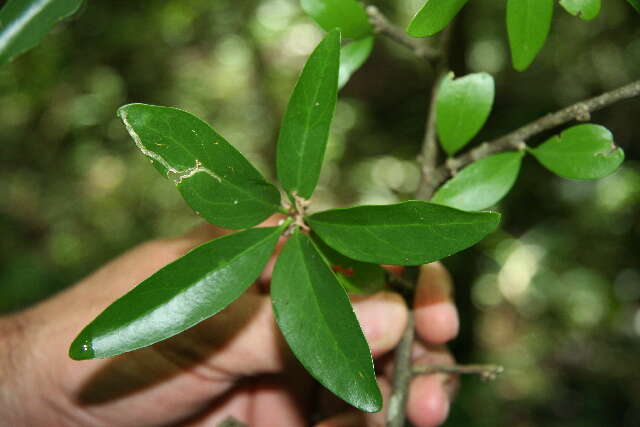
[482,184]
[180,295]
[462,108]
[213,177]
[317,320]
[581,152]
[347,15]
[409,233]
[434,16]
[528,25]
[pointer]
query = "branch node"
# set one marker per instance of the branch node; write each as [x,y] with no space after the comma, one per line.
[583,114]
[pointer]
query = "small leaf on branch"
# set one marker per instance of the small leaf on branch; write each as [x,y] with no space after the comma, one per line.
[317,320]
[357,277]
[585,9]
[528,25]
[180,295]
[481,184]
[347,15]
[305,127]
[409,233]
[462,108]
[352,56]
[635,4]
[582,152]
[434,16]
[213,177]
[23,23]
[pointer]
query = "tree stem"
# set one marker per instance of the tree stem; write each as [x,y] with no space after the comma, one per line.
[402,375]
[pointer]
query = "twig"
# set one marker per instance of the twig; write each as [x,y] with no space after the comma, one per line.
[381,25]
[402,376]
[486,372]
[429,153]
[516,140]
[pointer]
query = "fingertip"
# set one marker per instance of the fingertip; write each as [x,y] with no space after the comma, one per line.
[437,323]
[429,402]
[383,318]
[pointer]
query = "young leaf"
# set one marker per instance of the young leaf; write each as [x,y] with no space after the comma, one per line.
[23,23]
[180,295]
[347,15]
[585,9]
[528,25]
[481,184]
[214,178]
[434,16]
[356,277]
[582,152]
[352,56]
[408,233]
[317,320]
[462,108]
[635,4]
[305,127]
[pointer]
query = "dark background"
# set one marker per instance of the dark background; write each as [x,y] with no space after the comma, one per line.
[554,296]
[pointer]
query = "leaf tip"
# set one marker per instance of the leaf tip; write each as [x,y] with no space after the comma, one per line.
[82,348]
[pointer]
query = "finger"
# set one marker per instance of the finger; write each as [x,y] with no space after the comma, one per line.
[436,316]
[383,317]
[428,404]
[354,418]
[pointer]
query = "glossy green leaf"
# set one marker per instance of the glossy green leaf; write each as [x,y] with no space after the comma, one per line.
[528,25]
[23,23]
[635,4]
[409,233]
[482,184]
[462,108]
[582,152]
[347,15]
[585,9]
[214,178]
[180,295]
[434,16]
[317,320]
[352,56]
[356,277]
[306,123]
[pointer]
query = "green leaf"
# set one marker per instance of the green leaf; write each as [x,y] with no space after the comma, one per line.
[462,108]
[481,184]
[434,16]
[347,15]
[352,56]
[635,4]
[317,320]
[582,152]
[528,25]
[214,178]
[585,9]
[180,295]
[355,276]
[306,124]
[23,23]
[408,233]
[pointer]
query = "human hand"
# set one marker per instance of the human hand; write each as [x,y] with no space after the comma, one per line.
[234,364]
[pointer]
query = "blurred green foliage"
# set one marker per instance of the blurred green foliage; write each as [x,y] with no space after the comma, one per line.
[554,297]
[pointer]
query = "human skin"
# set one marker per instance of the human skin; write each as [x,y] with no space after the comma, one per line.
[233,364]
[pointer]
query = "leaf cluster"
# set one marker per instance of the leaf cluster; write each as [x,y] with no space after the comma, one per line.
[324,255]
